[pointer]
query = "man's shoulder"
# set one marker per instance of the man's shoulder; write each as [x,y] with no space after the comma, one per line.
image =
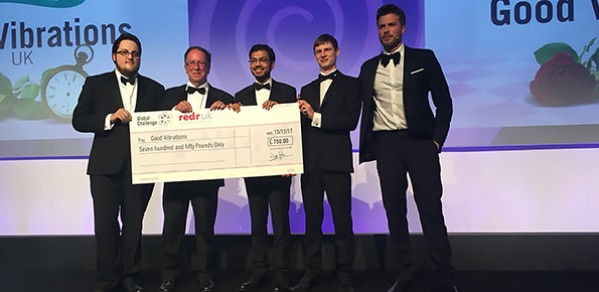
[150,82]
[418,51]
[282,85]
[102,76]
[313,83]
[176,89]
[347,78]
[218,92]
[245,91]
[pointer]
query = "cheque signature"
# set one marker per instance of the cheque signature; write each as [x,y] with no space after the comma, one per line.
[279,155]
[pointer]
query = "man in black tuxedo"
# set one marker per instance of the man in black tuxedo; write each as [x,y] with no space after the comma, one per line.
[400,131]
[330,106]
[203,195]
[104,108]
[267,190]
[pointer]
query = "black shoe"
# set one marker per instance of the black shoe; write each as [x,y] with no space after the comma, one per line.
[305,284]
[167,286]
[134,288]
[400,286]
[206,285]
[254,282]
[280,284]
[451,288]
[346,286]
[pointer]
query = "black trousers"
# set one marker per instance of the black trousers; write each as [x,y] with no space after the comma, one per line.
[176,197]
[118,248]
[398,154]
[273,191]
[337,186]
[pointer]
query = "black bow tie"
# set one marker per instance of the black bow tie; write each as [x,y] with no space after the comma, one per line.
[322,78]
[125,80]
[259,86]
[386,58]
[192,90]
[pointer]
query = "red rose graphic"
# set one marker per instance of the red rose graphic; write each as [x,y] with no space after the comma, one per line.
[562,81]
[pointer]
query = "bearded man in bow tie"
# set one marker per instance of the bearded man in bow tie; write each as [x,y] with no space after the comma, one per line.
[104,108]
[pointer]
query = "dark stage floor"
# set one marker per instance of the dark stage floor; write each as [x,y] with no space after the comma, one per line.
[367,281]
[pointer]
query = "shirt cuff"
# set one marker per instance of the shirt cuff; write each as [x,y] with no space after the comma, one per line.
[107,125]
[316,120]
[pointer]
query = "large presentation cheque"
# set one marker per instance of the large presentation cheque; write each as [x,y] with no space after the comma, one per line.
[171,146]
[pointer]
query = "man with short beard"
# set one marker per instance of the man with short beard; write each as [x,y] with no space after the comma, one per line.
[104,108]
[400,132]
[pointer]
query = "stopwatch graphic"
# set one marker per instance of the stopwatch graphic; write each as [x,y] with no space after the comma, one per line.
[61,89]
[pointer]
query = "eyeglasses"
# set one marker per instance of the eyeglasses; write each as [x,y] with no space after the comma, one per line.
[196,63]
[261,60]
[125,53]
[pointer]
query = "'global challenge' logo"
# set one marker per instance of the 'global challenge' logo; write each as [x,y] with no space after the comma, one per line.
[163,119]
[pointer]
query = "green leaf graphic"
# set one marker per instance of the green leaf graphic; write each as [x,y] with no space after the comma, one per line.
[30,91]
[546,52]
[21,82]
[46,74]
[5,85]
[2,97]
[29,109]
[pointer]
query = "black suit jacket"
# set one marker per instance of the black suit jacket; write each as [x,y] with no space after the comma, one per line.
[176,94]
[422,75]
[329,146]
[99,97]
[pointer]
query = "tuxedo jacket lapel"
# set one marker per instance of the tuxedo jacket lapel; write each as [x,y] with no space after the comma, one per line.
[314,96]
[116,91]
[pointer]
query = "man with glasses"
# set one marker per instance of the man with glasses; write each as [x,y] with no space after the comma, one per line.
[104,108]
[203,195]
[269,190]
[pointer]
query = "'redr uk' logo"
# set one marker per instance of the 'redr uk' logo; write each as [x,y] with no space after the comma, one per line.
[195,116]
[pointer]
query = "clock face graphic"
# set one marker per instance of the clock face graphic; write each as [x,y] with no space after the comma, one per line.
[62,89]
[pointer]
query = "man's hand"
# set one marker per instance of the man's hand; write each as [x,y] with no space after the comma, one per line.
[184,106]
[305,108]
[267,105]
[236,106]
[122,115]
[218,105]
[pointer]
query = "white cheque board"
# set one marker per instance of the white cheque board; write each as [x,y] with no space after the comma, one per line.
[169,146]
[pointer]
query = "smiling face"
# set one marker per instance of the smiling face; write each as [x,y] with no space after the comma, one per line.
[391,31]
[197,67]
[261,65]
[127,58]
[326,56]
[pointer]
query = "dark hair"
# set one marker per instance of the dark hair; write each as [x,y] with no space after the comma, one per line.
[208,56]
[125,36]
[325,38]
[263,47]
[391,8]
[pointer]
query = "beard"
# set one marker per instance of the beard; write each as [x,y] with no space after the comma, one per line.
[128,69]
